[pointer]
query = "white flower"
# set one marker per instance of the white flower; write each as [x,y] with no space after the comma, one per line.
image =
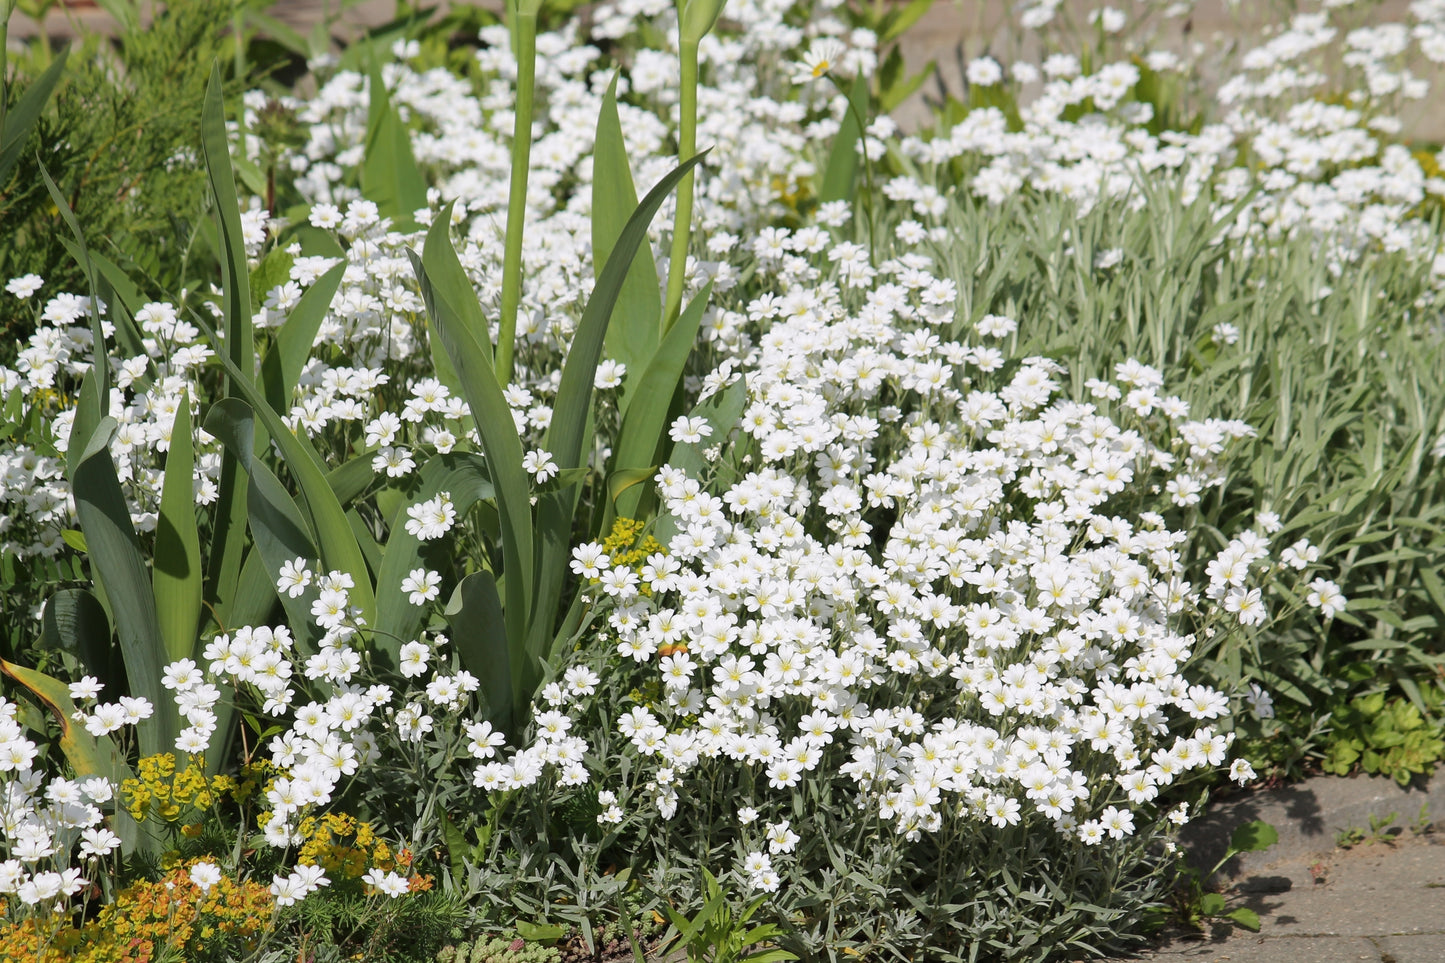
[205,875]
[431,519]
[414,656]
[1327,597]
[98,841]
[689,431]
[422,586]
[25,285]
[540,464]
[387,883]
[984,72]
[87,688]
[822,58]
[293,578]
[1261,703]
[610,374]
[1241,771]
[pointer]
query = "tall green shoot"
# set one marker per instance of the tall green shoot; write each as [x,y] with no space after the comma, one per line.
[523,17]
[695,18]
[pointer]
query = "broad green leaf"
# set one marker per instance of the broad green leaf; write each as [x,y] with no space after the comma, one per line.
[176,568]
[256,598]
[842,166]
[479,635]
[567,433]
[75,621]
[282,366]
[236,349]
[87,756]
[1253,837]
[503,450]
[900,19]
[1248,918]
[352,479]
[279,529]
[622,481]
[453,287]
[644,425]
[721,411]
[637,319]
[1212,904]
[120,568]
[74,538]
[327,518]
[21,119]
[464,477]
[389,174]
[273,271]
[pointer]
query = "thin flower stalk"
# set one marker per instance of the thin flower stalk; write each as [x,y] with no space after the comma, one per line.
[525,35]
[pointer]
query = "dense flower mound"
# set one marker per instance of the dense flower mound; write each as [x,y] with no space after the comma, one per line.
[900,585]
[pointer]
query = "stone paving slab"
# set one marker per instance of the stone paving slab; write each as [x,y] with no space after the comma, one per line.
[1381,901]
[1309,816]
[1412,949]
[1266,950]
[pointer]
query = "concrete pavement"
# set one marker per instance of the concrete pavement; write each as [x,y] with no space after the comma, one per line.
[1381,900]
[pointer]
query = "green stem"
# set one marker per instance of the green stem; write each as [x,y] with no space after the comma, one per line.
[682,219]
[517,200]
[868,194]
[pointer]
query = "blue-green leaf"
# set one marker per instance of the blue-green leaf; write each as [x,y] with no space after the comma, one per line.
[464,477]
[119,567]
[389,174]
[501,446]
[644,426]
[176,569]
[637,319]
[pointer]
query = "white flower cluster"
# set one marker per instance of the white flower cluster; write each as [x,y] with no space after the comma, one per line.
[42,821]
[921,588]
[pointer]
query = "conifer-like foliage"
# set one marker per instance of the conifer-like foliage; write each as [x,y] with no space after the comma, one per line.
[119,139]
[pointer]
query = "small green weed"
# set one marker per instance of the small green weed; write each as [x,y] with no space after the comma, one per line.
[716,934]
[1382,830]
[1386,736]
[1196,902]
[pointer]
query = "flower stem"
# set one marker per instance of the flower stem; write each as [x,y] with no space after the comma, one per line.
[682,218]
[526,38]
